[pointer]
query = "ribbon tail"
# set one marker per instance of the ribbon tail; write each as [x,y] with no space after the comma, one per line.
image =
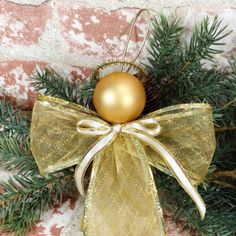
[179,174]
[122,197]
[84,164]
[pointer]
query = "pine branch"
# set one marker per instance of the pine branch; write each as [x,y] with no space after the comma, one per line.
[176,66]
[14,141]
[165,50]
[206,85]
[15,154]
[224,158]
[12,121]
[220,203]
[53,84]
[220,216]
[203,40]
[25,199]
[227,109]
[85,91]
[209,86]
[223,129]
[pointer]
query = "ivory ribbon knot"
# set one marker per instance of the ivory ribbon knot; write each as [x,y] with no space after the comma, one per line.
[140,130]
[122,197]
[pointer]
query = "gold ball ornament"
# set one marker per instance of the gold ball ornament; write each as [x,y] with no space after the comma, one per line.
[119,97]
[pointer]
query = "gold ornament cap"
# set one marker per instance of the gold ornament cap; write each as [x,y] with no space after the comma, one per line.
[119,97]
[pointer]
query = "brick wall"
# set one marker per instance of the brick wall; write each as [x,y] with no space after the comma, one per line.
[73,36]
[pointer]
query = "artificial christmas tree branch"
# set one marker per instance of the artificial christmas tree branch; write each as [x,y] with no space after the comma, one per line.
[177,65]
[53,84]
[223,129]
[26,198]
[15,154]
[12,121]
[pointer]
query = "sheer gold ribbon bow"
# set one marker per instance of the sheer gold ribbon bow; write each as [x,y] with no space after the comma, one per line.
[122,197]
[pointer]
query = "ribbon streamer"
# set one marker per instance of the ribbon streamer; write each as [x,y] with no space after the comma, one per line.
[133,128]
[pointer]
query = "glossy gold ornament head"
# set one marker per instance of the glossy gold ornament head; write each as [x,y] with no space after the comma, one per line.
[119,97]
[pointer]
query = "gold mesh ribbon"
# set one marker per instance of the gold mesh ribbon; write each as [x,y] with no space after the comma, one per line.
[122,197]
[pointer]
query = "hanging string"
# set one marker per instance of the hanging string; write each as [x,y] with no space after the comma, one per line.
[131,31]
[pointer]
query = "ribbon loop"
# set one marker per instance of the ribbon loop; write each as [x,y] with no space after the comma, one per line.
[148,126]
[91,127]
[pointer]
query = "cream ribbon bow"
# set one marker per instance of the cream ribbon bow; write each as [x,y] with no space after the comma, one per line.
[145,130]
